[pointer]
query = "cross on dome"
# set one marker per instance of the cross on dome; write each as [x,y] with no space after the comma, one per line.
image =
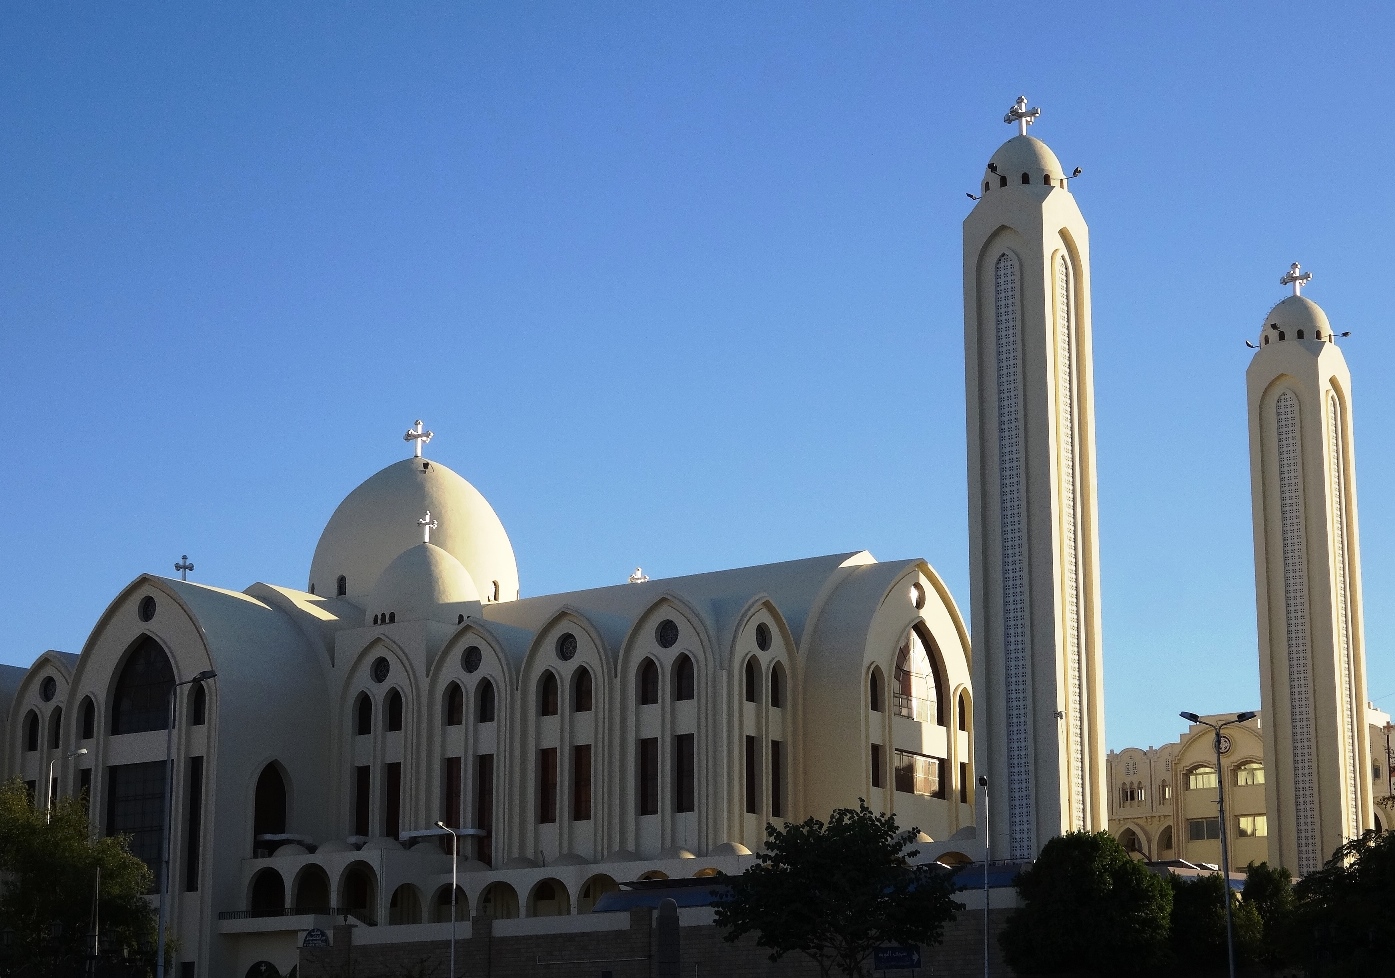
[1020,114]
[184,567]
[417,435]
[1294,278]
[427,524]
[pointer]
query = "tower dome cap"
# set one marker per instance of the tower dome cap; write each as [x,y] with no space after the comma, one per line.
[1296,317]
[1024,154]
[419,581]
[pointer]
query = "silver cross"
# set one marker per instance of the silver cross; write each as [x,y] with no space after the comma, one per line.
[1293,278]
[1020,114]
[417,435]
[427,524]
[184,567]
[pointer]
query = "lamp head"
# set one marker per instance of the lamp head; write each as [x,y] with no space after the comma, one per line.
[442,825]
[1077,172]
[80,750]
[983,781]
[1190,716]
[205,676]
[1247,715]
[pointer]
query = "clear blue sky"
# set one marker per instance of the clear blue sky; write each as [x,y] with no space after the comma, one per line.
[676,285]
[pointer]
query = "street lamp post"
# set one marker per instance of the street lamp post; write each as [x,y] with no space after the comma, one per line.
[443,829]
[52,794]
[987,852]
[1220,801]
[204,676]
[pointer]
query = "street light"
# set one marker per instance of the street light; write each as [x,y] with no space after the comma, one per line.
[443,829]
[52,793]
[987,851]
[202,677]
[1220,800]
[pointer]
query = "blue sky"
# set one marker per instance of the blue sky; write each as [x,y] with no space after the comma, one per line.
[675,285]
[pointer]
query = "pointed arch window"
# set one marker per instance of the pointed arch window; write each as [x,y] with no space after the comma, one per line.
[142,696]
[583,691]
[648,683]
[55,728]
[683,679]
[269,806]
[394,711]
[547,694]
[31,732]
[487,704]
[89,718]
[964,712]
[364,715]
[341,586]
[455,705]
[752,681]
[874,690]
[198,706]
[918,695]
[777,686]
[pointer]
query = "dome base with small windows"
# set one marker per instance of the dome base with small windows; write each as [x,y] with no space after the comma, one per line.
[1295,318]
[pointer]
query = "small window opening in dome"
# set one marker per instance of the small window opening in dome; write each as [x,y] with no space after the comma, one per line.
[1002,180]
[1026,178]
[425,466]
[1046,179]
[985,186]
[460,619]
[496,591]
[1266,339]
[392,617]
[312,588]
[375,619]
[1300,334]
[1281,334]
[1274,326]
[341,586]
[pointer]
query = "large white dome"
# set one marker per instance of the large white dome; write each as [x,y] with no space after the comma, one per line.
[419,583]
[378,521]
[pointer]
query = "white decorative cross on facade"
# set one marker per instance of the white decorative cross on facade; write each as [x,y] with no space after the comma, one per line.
[1020,114]
[417,435]
[184,567]
[1294,278]
[427,524]
[639,577]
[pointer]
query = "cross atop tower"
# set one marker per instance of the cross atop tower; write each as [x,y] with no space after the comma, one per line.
[1020,114]
[427,524]
[417,435]
[184,567]
[1293,278]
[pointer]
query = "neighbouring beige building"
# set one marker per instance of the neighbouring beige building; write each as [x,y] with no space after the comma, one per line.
[1034,551]
[1163,800]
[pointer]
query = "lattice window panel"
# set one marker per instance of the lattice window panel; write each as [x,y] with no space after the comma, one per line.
[1336,467]
[1011,521]
[1296,629]
[1070,542]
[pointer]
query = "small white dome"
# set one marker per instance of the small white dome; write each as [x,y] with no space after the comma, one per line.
[378,521]
[1024,154]
[1295,318]
[419,582]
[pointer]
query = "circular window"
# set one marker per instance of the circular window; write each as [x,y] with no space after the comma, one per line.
[472,657]
[380,670]
[918,595]
[146,608]
[763,637]
[48,689]
[666,634]
[566,646]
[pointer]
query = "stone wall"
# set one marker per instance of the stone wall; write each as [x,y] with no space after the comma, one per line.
[641,950]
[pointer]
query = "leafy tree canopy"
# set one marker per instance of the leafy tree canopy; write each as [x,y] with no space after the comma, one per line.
[836,891]
[1343,919]
[1088,909]
[1198,924]
[49,870]
[1269,890]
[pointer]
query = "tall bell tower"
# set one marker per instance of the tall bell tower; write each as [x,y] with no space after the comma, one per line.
[1312,660]
[1033,552]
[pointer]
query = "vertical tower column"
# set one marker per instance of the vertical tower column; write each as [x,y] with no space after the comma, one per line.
[1307,585]
[1033,553]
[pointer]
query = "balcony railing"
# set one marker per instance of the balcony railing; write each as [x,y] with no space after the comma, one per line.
[363,916]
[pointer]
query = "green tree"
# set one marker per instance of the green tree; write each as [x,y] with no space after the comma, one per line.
[1342,921]
[1269,890]
[836,891]
[1198,924]
[1087,909]
[50,868]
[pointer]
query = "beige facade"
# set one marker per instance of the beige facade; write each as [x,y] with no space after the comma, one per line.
[1308,586]
[1034,556]
[1163,800]
[645,729]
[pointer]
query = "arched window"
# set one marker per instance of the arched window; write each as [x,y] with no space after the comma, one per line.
[358,891]
[341,586]
[648,682]
[1002,180]
[142,697]
[268,897]
[312,891]
[269,805]
[1046,179]
[455,705]
[918,693]
[547,694]
[752,681]
[777,686]
[1250,772]
[1026,178]
[89,718]
[874,690]
[405,906]
[486,707]
[1165,839]
[55,728]
[683,678]
[964,712]
[1201,776]
[364,726]
[582,691]
[1300,334]
[31,731]
[394,710]
[1129,840]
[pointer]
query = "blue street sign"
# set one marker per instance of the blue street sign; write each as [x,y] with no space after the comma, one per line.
[893,958]
[314,937]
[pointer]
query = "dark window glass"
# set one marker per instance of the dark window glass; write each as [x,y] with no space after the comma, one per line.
[450,793]
[363,781]
[751,691]
[193,833]
[776,693]
[647,776]
[394,710]
[547,695]
[31,731]
[198,706]
[877,765]
[486,710]
[455,706]
[581,783]
[752,777]
[963,712]
[566,647]
[142,698]
[55,728]
[874,691]
[89,718]
[666,634]
[380,669]
[964,782]
[547,785]
[1026,178]
[365,715]
[683,680]
[341,586]
[777,766]
[583,692]
[471,658]
[684,773]
[269,809]
[648,683]
[919,774]
[392,800]
[484,807]
[136,807]
[1203,829]
[48,689]
[763,637]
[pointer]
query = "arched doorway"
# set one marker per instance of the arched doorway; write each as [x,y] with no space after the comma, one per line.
[268,809]
[1132,844]
[441,905]
[312,891]
[499,902]
[263,969]
[592,890]
[405,906]
[358,893]
[549,899]
[268,894]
